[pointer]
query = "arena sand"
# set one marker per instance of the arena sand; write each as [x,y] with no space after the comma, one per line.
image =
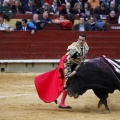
[19,101]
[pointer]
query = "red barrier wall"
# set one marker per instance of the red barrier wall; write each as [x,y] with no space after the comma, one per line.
[30,16]
[48,44]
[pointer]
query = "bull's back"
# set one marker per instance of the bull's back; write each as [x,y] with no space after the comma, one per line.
[91,74]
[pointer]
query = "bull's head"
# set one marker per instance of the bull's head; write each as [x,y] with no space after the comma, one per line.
[74,86]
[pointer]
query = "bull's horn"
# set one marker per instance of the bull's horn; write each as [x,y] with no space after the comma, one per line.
[73,73]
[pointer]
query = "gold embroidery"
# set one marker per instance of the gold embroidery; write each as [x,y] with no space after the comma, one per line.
[73,49]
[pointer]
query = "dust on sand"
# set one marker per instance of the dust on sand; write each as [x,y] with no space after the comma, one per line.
[19,101]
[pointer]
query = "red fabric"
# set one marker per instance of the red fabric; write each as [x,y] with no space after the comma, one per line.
[48,1]
[50,84]
[66,25]
[60,8]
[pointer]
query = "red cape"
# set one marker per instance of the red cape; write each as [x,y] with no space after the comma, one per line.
[50,84]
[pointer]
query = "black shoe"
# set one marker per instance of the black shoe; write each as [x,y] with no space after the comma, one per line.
[67,107]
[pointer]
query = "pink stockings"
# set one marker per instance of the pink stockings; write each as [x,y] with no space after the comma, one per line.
[64,95]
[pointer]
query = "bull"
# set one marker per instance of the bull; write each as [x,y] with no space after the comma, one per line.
[97,74]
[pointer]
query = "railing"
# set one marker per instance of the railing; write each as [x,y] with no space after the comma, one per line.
[113,27]
[50,44]
[30,16]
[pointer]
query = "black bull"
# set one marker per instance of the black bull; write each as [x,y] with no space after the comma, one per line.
[98,75]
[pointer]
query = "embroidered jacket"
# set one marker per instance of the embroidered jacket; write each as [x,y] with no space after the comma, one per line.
[75,56]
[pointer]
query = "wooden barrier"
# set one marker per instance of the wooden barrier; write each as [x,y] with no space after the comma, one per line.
[48,44]
[53,27]
[30,16]
[113,27]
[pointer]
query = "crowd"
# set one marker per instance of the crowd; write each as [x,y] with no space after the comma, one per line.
[90,12]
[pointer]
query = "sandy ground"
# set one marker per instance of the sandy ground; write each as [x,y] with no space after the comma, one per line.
[19,101]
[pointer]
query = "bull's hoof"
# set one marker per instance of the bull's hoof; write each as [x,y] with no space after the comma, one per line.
[70,94]
[76,96]
[107,111]
[103,110]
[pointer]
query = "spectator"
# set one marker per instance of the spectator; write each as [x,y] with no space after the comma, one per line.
[54,8]
[26,27]
[1,2]
[18,23]
[113,7]
[30,8]
[117,3]
[36,21]
[67,9]
[44,8]
[24,2]
[42,2]
[45,19]
[81,26]
[65,24]
[107,2]
[91,23]
[82,2]
[78,10]
[94,3]
[38,3]
[17,8]
[5,9]
[87,8]
[73,2]
[4,26]
[61,3]
[119,10]
[48,1]
[101,10]
[112,18]
[99,24]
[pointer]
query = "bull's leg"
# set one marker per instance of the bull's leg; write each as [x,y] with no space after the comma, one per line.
[106,106]
[99,103]
[102,95]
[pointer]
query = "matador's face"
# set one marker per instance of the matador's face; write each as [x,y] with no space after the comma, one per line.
[81,41]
